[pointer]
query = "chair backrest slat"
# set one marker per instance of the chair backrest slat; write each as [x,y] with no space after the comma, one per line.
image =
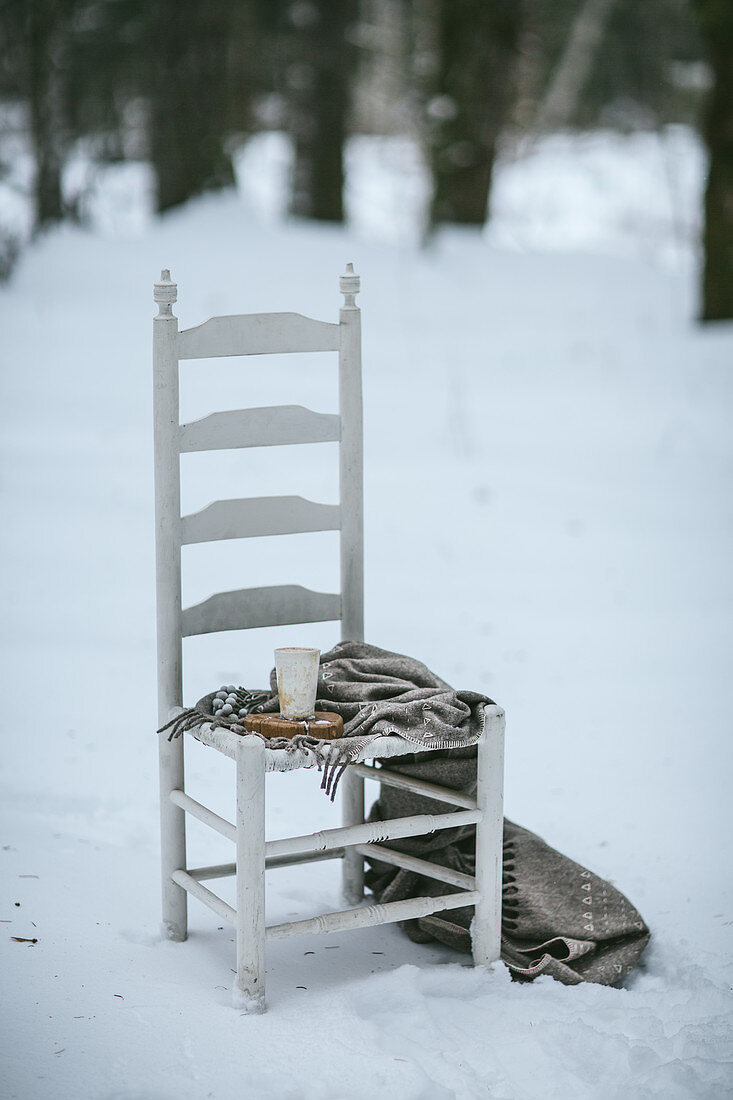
[254,516]
[247,608]
[271,426]
[257,334]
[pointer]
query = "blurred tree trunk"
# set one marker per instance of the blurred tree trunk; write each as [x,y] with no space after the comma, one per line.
[34,48]
[716,19]
[189,98]
[560,103]
[246,53]
[47,28]
[317,82]
[472,92]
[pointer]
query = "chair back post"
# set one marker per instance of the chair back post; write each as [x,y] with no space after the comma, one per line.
[351,461]
[167,497]
[168,592]
[352,543]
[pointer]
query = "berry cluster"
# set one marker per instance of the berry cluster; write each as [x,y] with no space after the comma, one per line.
[229,702]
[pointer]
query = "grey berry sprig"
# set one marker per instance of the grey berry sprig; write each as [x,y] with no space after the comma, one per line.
[231,703]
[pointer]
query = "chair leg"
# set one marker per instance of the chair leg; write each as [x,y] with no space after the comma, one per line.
[486,926]
[172,839]
[352,802]
[249,984]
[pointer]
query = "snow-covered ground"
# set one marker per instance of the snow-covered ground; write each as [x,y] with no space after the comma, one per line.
[548,469]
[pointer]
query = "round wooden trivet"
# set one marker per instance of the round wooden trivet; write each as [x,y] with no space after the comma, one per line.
[322,725]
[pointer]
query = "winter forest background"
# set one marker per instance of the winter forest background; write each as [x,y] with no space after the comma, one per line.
[182,86]
[538,197]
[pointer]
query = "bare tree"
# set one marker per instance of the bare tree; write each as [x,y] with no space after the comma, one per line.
[317,79]
[35,36]
[560,103]
[716,20]
[470,92]
[189,84]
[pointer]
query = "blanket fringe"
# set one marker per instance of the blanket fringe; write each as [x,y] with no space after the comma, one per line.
[331,758]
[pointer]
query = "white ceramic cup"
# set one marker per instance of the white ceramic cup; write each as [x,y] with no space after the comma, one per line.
[297,680]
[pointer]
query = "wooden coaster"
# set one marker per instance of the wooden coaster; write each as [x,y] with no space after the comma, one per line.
[323,725]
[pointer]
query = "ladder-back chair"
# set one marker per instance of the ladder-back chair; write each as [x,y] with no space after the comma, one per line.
[272,333]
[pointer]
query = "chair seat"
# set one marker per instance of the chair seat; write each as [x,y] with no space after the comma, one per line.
[282,760]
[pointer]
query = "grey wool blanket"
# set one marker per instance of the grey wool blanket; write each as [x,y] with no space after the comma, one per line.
[558,918]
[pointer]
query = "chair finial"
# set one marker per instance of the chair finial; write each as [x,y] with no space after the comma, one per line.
[165,293]
[349,285]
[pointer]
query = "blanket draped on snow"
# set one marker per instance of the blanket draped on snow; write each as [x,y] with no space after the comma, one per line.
[557,917]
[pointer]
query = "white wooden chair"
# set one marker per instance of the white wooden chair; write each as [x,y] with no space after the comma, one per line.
[252,334]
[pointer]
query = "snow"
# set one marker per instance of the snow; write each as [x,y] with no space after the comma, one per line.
[635,194]
[548,517]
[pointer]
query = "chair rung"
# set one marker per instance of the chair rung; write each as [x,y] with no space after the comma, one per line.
[417,786]
[372,832]
[420,866]
[224,870]
[333,922]
[373,851]
[191,886]
[207,816]
[247,608]
[270,426]
[253,517]
[372,914]
[272,863]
